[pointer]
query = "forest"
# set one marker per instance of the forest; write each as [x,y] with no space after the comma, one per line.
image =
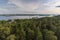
[47,28]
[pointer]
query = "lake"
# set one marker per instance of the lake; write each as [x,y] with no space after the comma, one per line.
[18,17]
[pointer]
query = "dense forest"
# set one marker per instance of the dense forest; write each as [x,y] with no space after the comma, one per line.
[47,28]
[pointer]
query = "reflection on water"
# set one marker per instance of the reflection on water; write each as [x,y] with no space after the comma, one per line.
[18,17]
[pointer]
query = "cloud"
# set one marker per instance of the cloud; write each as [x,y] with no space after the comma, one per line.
[29,6]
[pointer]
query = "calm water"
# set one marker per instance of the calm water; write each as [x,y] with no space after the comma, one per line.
[18,17]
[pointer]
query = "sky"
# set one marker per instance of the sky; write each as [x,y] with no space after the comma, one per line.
[29,6]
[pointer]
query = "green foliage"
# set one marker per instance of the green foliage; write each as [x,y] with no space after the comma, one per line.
[47,28]
[49,35]
[11,37]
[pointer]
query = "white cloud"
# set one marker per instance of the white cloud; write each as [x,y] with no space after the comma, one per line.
[45,7]
[37,6]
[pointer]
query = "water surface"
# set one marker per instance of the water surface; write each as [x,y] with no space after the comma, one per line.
[18,17]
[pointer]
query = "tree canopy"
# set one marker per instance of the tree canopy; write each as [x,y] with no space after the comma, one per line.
[47,28]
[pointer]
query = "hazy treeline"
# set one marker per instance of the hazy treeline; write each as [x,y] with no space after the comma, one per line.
[47,28]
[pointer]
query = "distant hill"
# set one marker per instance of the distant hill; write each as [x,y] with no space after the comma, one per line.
[26,14]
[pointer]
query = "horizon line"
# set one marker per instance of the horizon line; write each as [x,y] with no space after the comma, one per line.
[26,14]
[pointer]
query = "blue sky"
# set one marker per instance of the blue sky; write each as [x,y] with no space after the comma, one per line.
[29,6]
